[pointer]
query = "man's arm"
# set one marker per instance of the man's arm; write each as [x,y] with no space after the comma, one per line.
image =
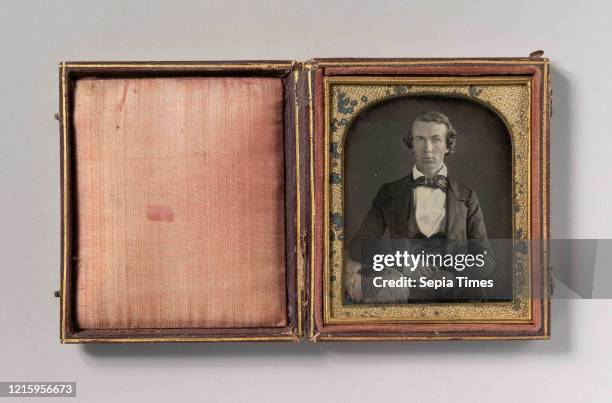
[477,233]
[475,225]
[372,228]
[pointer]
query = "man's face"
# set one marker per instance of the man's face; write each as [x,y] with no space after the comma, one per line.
[429,146]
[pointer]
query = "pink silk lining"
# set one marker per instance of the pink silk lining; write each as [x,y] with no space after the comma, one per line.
[181,213]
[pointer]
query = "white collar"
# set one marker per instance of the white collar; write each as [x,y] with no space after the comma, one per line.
[416,173]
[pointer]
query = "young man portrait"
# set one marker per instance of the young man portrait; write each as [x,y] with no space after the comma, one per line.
[426,210]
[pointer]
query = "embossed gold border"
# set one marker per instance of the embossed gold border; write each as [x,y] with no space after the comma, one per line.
[284,337]
[492,92]
[65,198]
[180,65]
[313,211]
[424,61]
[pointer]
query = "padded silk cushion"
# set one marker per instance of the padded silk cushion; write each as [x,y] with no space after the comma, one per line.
[180,195]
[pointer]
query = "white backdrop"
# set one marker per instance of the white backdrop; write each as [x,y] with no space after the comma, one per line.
[34,36]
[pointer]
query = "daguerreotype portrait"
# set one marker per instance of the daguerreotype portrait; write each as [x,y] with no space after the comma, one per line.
[431,178]
[429,215]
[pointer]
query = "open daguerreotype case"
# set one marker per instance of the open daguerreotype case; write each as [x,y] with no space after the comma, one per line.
[334,199]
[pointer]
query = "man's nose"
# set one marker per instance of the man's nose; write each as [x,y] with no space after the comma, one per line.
[428,146]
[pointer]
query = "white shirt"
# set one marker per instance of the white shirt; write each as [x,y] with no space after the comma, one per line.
[430,205]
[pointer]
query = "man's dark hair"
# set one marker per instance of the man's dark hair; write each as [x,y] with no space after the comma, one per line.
[437,117]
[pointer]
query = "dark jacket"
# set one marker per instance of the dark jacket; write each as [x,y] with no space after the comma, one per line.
[391,208]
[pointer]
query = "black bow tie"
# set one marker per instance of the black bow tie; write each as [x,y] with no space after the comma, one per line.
[437,182]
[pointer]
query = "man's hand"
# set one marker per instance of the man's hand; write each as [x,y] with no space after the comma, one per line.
[352,280]
[423,271]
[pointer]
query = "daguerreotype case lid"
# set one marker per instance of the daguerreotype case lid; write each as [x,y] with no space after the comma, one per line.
[179,214]
[235,201]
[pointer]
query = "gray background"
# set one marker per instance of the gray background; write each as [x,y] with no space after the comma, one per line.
[34,36]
